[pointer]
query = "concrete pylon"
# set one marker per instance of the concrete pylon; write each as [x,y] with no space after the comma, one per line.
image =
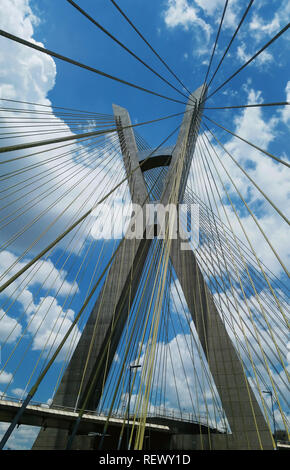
[248,426]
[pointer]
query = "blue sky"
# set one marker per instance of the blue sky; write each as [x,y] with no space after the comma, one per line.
[179,39]
[183,33]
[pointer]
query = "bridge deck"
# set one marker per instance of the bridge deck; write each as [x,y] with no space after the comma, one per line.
[40,415]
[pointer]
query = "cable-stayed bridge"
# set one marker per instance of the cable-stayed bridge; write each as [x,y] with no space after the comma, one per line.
[143,331]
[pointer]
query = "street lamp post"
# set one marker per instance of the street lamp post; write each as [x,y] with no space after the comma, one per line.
[134,366]
[273,415]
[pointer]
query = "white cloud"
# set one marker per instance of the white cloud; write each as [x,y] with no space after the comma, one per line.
[260,27]
[180,13]
[270,176]
[24,72]
[49,325]
[9,328]
[264,58]
[19,392]
[28,75]
[22,438]
[210,6]
[5,377]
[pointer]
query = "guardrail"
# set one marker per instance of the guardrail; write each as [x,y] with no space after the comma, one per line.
[159,413]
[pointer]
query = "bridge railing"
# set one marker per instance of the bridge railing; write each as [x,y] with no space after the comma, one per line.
[160,413]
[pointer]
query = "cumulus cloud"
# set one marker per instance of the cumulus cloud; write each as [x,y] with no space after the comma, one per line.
[22,437]
[179,13]
[67,183]
[10,329]
[262,28]
[199,17]
[24,72]
[271,177]
[5,377]
[264,58]
[49,325]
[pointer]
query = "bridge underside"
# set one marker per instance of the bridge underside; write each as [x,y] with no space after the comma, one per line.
[161,432]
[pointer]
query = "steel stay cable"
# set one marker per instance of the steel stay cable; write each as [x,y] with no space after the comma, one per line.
[92,20]
[253,216]
[204,262]
[95,332]
[231,41]
[216,39]
[47,191]
[72,346]
[148,44]
[149,356]
[215,274]
[97,152]
[43,318]
[139,306]
[34,388]
[131,343]
[50,106]
[93,335]
[180,355]
[244,311]
[246,350]
[92,384]
[234,261]
[93,142]
[12,148]
[46,173]
[32,115]
[197,346]
[267,296]
[87,67]
[60,237]
[25,134]
[241,243]
[158,378]
[238,303]
[38,269]
[36,218]
[253,366]
[242,227]
[196,199]
[270,307]
[19,121]
[247,238]
[252,145]
[239,341]
[262,351]
[106,424]
[281,103]
[137,314]
[247,386]
[258,300]
[13,294]
[205,308]
[64,317]
[283,30]
[140,341]
[210,255]
[253,348]
[43,233]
